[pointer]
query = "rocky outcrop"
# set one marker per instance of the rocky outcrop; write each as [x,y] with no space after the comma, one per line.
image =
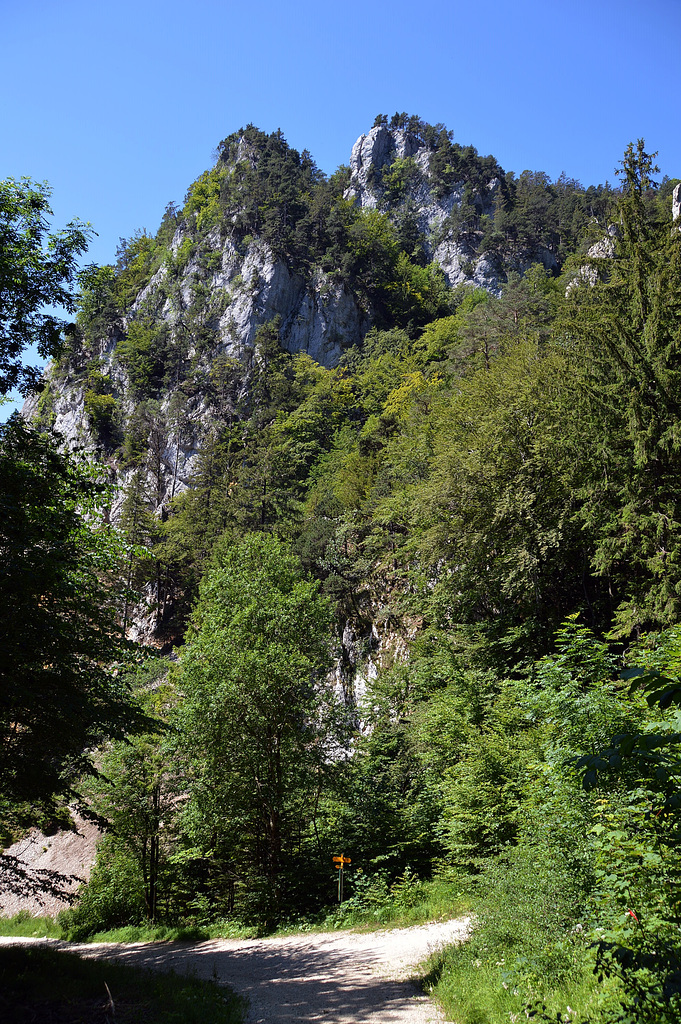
[377,152]
[318,316]
[40,873]
[378,148]
[604,249]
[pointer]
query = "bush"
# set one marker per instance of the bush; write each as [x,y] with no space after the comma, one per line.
[528,946]
[113,897]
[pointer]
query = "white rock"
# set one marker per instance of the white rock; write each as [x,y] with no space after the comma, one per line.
[676,202]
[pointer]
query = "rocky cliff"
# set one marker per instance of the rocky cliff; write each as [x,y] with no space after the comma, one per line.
[214,289]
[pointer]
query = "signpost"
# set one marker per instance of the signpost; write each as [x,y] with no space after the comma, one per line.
[339,862]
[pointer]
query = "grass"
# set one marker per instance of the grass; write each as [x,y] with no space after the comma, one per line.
[175,933]
[38,983]
[473,990]
[22,924]
[438,900]
[529,954]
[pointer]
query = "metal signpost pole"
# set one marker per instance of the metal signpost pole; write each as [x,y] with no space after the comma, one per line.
[339,862]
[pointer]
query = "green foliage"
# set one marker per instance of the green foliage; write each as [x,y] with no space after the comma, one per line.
[397,177]
[203,200]
[136,260]
[636,844]
[113,896]
[24,924]
[451,163]
[272,191]
[61,639]
[98,307]
[257,714]
[627,329]
[101,405]
[500,498]
[141,353]
[46,412]
[136,795]
[37,270]
[526,951]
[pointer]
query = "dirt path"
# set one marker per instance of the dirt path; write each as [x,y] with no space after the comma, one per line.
[337,978]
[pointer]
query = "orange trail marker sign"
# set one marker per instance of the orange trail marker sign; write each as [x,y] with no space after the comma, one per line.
[339,862]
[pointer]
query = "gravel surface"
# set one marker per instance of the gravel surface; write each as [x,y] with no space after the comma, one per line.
[337,977]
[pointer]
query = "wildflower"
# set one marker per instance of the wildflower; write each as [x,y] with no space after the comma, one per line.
[632,914]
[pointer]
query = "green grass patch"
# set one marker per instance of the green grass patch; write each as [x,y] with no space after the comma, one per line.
[149,932]
[22,924]
[530,953]
[38,983]
[474,987]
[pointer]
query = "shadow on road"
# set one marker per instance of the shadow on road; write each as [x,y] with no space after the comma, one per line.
[286,982]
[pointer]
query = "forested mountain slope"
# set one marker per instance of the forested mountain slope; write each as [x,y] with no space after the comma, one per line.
[178,373]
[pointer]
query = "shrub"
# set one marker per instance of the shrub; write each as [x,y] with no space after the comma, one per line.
[113,897]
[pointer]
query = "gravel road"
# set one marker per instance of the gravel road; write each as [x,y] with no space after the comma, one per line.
[336,977]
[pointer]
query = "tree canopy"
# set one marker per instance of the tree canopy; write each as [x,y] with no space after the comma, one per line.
[62,642]
[37,270]
[257,711]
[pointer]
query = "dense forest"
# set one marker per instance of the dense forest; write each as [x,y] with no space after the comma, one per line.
[417,601]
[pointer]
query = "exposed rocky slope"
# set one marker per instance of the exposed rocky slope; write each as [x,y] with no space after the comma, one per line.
[453,250]
[55,866]
[215,290]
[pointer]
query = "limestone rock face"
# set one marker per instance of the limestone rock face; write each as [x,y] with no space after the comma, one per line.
[319,316]
[676,202]
[377,148]
[604,249]
[374,153]
[325,318]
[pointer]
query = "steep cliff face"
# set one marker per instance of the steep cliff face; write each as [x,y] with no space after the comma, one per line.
[253,286]
[386,154]
[381,149]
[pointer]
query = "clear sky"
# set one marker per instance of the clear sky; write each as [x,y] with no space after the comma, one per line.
[119,106]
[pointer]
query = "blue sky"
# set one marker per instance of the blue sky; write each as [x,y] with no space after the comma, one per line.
[119,106]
